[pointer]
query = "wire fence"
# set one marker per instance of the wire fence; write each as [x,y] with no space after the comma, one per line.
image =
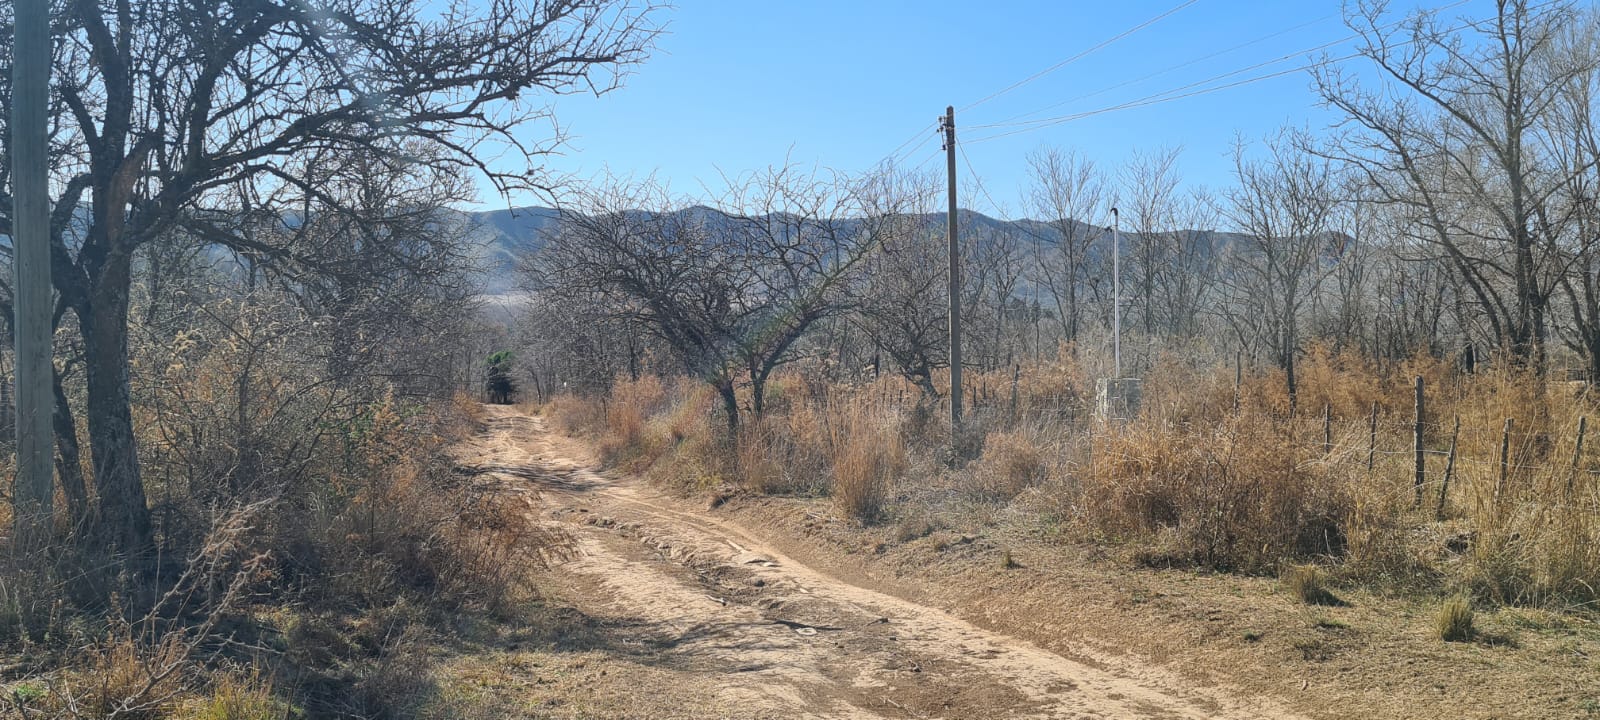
[1436,458]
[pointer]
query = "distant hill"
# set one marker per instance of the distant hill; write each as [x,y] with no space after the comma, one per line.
[506,236]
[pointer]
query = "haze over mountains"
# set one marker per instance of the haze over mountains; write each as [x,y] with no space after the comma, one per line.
[508,235]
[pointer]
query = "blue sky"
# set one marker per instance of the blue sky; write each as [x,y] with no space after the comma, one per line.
[740,85]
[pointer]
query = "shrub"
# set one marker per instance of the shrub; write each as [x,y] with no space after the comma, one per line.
[1012,461]
[398,520]
[1230,497]
[128,674]
[1454,621]
[1309,585]
[870,455]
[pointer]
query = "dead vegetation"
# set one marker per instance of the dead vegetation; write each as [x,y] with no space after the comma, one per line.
[1200,479]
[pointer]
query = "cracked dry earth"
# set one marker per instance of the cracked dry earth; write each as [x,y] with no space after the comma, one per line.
[765,636]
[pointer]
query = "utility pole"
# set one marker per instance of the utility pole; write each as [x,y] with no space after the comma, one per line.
[1117,397]
[1116,294]
[30,242]
[948,125]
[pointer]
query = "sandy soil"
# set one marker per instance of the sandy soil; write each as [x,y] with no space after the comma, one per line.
[744,630]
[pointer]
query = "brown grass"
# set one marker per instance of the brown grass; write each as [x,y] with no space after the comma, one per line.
[1236,496]
[1012,461]
[1195,479]
[1454,623]
[870,456]
[1309,585]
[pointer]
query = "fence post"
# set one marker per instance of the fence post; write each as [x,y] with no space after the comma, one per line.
[1238,378]
[1505,462]
[1449,468]
[1327,429]
[1016,377]
[1416,445]
[1372,437]
[1577,453]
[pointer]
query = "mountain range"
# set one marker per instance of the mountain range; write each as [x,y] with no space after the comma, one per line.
[506,236]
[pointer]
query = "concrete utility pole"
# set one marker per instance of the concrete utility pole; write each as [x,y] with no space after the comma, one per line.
[948,124]
[30,242]
[1116,293]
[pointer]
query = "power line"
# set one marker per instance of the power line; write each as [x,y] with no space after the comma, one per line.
[1172,68]
[1169,96]
[1155,99]
[1239,71]
[978,181]
[893,154]
[1079,56]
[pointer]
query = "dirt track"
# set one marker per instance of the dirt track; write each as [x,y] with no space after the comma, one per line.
[770,637]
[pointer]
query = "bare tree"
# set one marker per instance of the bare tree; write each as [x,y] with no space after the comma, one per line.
[1453,139]
[1282,205]
[1185,283]
[1068,193]
[729,291]
[902,286]
[1149,201]
[166,113]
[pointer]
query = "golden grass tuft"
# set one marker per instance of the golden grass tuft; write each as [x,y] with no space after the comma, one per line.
[870,456]
[1012,462]
[1308,584]
[242,697]
[1454,622]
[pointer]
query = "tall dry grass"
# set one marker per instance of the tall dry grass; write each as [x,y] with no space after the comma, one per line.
[1213,473]
[283,501]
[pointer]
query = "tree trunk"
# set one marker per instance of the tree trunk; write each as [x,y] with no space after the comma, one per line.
[730,405]
[122,521]
[758,391]
[69,460]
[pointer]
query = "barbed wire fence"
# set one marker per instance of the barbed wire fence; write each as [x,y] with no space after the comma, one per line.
[1511,466]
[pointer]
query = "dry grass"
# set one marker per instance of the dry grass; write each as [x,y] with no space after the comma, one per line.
[242,696]
[1209,474]
[1235,496]
[1012,461]
[1309,585]
[870,456]
[1454,623]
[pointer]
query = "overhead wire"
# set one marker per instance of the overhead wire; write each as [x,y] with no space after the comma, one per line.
[901,152]
[1164,71]
[978,181]
[1178,94]
[1099,46]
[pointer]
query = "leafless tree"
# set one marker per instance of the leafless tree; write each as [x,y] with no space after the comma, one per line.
[1282,205]
[1185,283]
[903,286]
[1453,138]
[1069,193]
[730,291]
[165,114]
[1149,201]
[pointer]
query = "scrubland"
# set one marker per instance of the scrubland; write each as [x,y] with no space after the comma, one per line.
[1218,471]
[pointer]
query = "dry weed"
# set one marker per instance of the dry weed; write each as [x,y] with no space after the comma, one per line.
[1454,623]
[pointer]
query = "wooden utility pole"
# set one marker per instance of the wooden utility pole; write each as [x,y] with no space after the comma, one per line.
[30,240]
[948,124]
[1419,455]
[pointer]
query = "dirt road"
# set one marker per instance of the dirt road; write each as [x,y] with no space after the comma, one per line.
[767,636]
